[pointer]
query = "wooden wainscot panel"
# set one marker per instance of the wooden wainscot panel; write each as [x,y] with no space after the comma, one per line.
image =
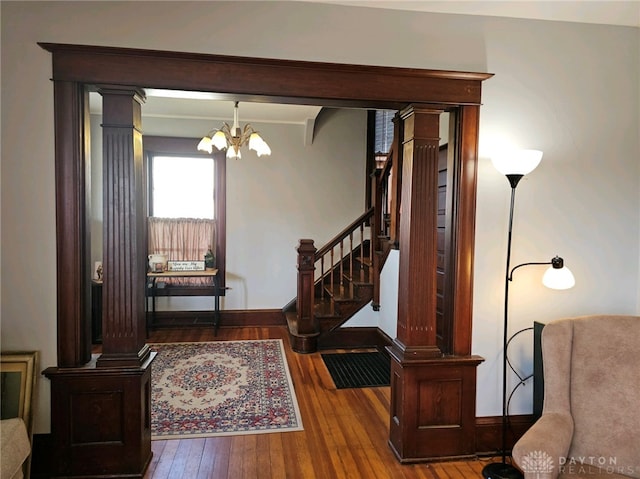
[433,408]
[97,417]
[440,403]
[101,421]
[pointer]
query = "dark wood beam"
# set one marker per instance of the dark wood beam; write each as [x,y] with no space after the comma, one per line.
[261,79]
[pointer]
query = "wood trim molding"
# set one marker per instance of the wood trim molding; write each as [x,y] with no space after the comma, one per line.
[489,432]
[71,105]
[288,81]
[356,337]
[228,318]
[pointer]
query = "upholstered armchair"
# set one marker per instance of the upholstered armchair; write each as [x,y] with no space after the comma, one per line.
[590,423]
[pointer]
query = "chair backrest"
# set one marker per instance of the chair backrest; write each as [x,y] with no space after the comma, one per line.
[603,386]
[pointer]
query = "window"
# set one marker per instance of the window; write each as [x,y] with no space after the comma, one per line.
[182,187]
[185,183]
[383,131]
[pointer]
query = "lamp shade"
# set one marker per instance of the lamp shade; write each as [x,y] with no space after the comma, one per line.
[521,162]
[558,278]
[257,144]
[205,145]
[219,140]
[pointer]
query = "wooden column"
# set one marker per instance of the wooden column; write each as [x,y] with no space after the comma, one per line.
[418,229]
[73,211]
[101,411]
[124,250]
[304,331]
[432,413]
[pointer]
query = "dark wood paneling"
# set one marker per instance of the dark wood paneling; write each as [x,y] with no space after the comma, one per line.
[444,311]
[100,421]
[432,407]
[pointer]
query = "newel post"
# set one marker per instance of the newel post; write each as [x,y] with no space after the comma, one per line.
[304,303]
[303,327]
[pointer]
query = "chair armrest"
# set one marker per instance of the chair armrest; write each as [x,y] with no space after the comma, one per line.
[539,451]
[15,447]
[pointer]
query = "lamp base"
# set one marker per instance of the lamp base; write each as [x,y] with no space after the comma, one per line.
[501,470]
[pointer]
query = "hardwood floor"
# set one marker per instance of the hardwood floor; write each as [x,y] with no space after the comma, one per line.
[345,432]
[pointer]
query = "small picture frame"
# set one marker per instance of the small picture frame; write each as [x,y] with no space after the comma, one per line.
[98,272]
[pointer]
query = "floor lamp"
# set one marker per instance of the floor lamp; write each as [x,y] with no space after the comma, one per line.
[514,167]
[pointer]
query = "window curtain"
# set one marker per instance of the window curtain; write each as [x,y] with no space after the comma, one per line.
[182,239]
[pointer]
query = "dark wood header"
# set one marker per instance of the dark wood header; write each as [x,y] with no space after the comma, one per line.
[262,79]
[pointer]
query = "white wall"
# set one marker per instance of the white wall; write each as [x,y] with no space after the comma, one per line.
[386,318]
[568,89]
[273,202]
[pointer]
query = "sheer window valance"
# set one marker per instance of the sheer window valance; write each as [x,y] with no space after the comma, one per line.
[182,239]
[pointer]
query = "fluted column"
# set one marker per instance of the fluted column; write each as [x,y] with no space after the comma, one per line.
[124,251]
[432,410]
[418,233]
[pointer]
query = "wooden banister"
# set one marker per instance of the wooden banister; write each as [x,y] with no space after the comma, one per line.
[335,241]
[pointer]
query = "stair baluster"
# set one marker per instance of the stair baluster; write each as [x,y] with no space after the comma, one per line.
[337,293]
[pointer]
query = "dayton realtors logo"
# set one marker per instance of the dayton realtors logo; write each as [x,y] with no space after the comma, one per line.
[541,463]
[537,462]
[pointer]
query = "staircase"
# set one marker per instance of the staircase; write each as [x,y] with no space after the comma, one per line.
[343,283]
[342,277]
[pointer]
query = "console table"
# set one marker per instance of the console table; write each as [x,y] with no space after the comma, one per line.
[211,274]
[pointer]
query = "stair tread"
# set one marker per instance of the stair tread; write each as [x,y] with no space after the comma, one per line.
[358,281]
[340,293]
[324,309]
[292,323]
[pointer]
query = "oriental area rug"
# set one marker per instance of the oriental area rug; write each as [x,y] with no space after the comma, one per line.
[221,388]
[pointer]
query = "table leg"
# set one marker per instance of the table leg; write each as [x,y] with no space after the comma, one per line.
[216,295]
[153,301]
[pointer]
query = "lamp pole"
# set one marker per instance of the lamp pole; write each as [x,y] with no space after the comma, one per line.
[514,167]
[502,470]
[561,278]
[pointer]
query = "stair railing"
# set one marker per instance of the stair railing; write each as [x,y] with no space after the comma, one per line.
[331,257]
[379,227]
[348,249]
[385,191]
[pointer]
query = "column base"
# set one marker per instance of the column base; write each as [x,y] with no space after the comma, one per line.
[101,421]
[433,406]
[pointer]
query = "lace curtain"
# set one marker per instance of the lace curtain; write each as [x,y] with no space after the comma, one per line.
[182,239]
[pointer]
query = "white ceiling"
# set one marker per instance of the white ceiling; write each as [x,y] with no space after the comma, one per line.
[207,107]
[623,13]
[607,12]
